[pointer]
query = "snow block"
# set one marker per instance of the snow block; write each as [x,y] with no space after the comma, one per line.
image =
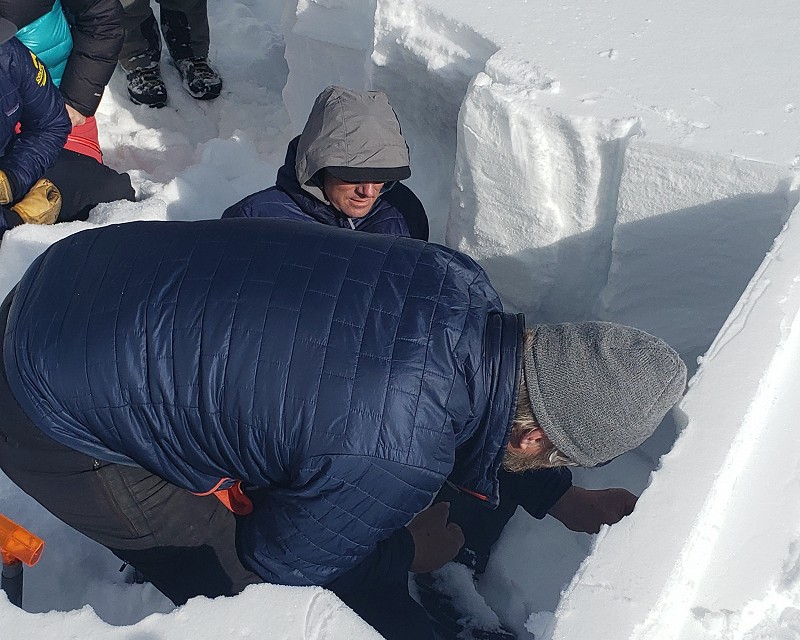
[327,43]
[424,61]
[535,195]
[261,611]
[712,549]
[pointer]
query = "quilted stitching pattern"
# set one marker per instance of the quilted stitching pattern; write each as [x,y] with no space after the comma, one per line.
[339,369]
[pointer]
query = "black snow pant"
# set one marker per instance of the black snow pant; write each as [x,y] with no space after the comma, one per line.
[84,182]
[184,544]
[184,24]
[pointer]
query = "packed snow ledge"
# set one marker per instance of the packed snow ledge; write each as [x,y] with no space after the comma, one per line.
[633,162]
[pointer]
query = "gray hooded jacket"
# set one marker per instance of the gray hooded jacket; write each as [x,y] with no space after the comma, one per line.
[353,134]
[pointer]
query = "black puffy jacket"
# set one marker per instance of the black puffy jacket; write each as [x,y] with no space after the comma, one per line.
[97,38]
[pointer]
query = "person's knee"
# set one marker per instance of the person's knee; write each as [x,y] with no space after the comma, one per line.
[120,188]
[84,183]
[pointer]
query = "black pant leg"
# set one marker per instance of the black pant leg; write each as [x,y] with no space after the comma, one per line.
[184,544]
[85,183]
[142,46]
[392,612]
[184,24]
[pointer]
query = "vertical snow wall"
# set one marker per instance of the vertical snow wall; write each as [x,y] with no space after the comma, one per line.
[567,213]
[572,216]
[714,549]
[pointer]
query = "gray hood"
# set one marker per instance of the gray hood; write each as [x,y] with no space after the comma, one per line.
[356,133]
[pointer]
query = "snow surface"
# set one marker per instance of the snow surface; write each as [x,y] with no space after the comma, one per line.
[633,162]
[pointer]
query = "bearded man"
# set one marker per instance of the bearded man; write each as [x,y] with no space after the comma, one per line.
[323,384]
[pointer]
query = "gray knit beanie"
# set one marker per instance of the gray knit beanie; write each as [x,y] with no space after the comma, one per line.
[600,389]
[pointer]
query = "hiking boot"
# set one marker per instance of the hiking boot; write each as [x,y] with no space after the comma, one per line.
[145,86]
[199,79]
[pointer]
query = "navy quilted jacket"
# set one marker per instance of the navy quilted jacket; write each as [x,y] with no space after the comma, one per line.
[346,374]
[27,97]
[288,201]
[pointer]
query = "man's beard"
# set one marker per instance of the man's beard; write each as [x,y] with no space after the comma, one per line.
[515,461]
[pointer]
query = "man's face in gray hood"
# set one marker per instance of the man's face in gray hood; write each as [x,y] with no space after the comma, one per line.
[354,136]
[353,199]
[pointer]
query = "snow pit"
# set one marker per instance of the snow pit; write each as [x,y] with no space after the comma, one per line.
[628,163]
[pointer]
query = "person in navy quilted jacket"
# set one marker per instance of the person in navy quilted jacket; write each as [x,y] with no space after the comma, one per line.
[344,170]
[32,101]
[323,384]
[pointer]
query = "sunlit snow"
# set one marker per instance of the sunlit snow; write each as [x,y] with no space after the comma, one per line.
[633,162]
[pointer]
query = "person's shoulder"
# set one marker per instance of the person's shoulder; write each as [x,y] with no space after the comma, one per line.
[384,221]
[268,203]
[102,9]
[409,209]
[11,53]
[401,198]
[12,46]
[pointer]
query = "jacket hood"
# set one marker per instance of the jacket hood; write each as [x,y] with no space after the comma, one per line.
[355,132]
[7,30]
[312,205]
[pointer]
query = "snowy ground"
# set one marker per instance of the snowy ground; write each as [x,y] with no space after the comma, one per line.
[624,161]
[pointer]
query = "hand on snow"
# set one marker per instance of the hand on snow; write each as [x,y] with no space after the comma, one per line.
[586,511]
[435,541]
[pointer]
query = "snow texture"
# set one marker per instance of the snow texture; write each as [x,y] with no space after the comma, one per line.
[633,162]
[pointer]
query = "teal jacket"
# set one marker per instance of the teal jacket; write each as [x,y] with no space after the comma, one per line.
[78,40]
[50,38]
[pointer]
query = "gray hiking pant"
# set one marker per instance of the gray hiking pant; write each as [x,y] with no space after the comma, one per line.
[184,24]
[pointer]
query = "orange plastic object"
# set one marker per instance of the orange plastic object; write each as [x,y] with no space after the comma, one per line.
[17,544]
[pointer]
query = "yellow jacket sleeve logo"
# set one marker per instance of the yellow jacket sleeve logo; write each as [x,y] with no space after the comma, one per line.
[41,72]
